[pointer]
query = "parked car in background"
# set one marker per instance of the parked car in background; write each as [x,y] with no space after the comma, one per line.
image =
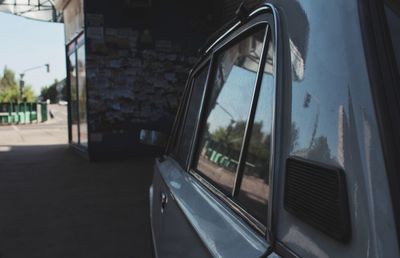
[287,140]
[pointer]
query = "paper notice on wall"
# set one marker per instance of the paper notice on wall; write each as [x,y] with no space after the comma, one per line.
[163,45]
[124,33]
[94,19]
[96,33]
[111,32]
[96,137]
[116,63]
[116,106]
[92,72]
[106,73]
[102,84]
[171,77]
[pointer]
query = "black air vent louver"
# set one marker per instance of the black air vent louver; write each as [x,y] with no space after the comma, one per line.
[317,194]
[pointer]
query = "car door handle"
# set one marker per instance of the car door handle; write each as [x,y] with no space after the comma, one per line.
[164,201]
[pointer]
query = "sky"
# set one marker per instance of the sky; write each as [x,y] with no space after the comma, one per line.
[236,100]
[26,43]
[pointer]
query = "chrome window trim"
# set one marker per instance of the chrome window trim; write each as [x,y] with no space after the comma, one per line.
[200,183]
[183,107]
[247,217]
[251,115]
[199,115]
[223,36]
[237,34]
[276,120]
[196,72]
[171,194]
[262,229]
[228,40]
[263,8]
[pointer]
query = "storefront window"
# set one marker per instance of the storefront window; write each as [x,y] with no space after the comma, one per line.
[77,80]
[83,136]
[74,101]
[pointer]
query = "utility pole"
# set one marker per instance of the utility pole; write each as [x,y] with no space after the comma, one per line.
[22,82]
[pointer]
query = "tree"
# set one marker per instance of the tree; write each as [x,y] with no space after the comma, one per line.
[8,79]
[29,94]
[9,89]
[50,92]
[9,94]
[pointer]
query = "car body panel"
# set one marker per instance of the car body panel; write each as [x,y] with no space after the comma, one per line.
[329,116]
[173,234]
[199,220]
[325,113]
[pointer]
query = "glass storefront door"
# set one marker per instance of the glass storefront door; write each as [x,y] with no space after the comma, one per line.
[83,136]
[77,80]
[73,98]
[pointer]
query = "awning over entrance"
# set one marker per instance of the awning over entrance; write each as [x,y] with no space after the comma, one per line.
[43,10]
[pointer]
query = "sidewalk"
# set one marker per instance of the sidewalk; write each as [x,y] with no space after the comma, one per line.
[53,203]
[54,131]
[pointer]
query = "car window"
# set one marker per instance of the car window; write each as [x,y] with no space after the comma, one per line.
[254,188]
[221,136]
[192,114]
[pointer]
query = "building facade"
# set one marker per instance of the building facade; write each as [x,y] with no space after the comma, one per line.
[127,65]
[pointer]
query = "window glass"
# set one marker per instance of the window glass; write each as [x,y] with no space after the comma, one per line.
[254,189]
[83,136]
[392,9]
[74,102]
[220,140]
[192,113]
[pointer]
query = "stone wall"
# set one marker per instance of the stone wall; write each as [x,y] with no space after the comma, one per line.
[137,59]
[137,62]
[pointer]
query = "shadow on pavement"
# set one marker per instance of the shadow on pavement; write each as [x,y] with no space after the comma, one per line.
[54,203]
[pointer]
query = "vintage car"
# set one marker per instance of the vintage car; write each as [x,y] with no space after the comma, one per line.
[287,140]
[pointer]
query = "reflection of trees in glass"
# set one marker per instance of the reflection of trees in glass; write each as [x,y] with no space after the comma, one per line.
[294,137]
[232,88]
[231,135]
[9,88]
[229,140]
[320,150]
[258,156]
[72,76]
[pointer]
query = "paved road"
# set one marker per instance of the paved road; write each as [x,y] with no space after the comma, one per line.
[54,131]
[53,203]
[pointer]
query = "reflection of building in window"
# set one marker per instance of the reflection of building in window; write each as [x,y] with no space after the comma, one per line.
[227,113]
[297,62]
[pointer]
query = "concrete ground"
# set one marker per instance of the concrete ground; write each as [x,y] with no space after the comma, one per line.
[54,203]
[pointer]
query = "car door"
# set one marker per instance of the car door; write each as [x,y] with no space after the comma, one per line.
[172,232]
[210,193]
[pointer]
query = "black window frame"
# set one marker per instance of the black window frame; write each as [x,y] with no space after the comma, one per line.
[172,143]
[384,78]
[216,54]
[72,49]
[266,20]
[185,106]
